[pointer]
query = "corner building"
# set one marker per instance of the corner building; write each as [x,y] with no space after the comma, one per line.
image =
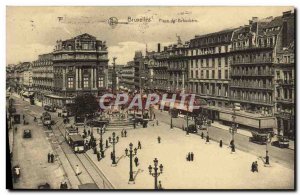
[80,65]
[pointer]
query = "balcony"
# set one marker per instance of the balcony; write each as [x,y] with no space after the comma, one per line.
[253,61]
[285,82]
[253,47]
[177,68]
[285,100]
[251,86]
[252,101]
[252,74]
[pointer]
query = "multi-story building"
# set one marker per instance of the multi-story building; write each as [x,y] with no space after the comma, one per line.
[139,70]
[27,78]
[159,63]
[254,53]
[79,66]
[177,59]
[42,70]
[127,77]
[209,67]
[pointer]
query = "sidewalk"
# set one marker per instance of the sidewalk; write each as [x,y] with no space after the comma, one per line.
[226,128]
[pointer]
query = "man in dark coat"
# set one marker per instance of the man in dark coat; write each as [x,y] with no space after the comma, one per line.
[49,157]
[207,138]
[106,143]
[192,156]
[139,145]
[125,133]
[158,139]
[52,158]
[98,156]
[202,135]
[221,144]
[136,161]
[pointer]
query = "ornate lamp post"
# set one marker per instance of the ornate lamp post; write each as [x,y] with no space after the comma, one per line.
[171,125]
[269,139]
[113,141]
[130,155]
[155,174]
[233,129]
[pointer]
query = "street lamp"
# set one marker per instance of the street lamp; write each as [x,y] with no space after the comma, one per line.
[233,129]
[155,174]
[269,139]
[171,125]
[113,141]
[130,155]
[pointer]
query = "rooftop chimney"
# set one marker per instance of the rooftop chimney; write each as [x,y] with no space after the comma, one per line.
[158,47]
[286,14]
[254,19]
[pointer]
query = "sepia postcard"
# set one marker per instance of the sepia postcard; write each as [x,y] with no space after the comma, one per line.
[150,98]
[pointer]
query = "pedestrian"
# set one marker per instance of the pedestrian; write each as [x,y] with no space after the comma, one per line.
[154,116]
[84,132]
[125,133]
[122,134]
[136,161]
[102,154]
[49,157]
[253,167]
[156,122]
[221,144]
[139,145]
[117,138]
[207,139]
[95,150]
[202,135]
[77,170]
[52,158]
[63,185]
[89,132]
[98,156]
[231,143]
[192,156]
[256,166]
[159,185]
[188,158]
[158,139]
[106,143]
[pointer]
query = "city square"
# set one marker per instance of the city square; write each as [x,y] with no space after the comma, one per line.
[213,110]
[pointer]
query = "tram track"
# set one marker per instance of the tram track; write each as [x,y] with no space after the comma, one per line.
[89,167]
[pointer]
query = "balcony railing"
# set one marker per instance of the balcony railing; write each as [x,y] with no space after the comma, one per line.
[247,73]
[253,47]
[285,82]
[253,61]
[258,101]
[251,86]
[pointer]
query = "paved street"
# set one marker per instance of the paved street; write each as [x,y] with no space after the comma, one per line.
[213,168]
[283,156]
[31,153]
[176,143]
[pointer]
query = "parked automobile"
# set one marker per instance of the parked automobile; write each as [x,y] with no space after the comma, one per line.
[281,142]
[260,138]
[192,128]
[27,133]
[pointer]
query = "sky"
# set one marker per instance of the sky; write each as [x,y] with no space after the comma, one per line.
[31,31]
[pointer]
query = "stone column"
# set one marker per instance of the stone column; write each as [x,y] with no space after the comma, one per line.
[80,78]
[64,78]
[92,78]
[95,78]
[76,78]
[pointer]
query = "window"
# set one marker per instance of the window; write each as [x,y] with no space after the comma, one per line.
[70,68]
[207,74]
[86,82]
[100,82]
[85,46]
[191,74]
[213,74]
[220,49]
[226,61]
[219,74]
[70,82]
[213,62]
[197,75]
[219,62]
[226,74]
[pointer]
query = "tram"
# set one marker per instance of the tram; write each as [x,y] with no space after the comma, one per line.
[46,118]
[76,142]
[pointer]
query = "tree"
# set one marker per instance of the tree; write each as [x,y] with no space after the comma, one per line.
[85,104]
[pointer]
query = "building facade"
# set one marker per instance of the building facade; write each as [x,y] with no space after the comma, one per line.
[80,65]
[127,77]
[209,67]
[42,70]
